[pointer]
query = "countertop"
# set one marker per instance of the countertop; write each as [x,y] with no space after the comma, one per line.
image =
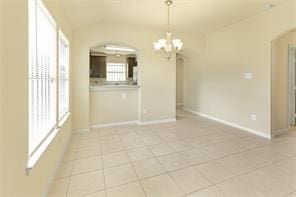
[112,87]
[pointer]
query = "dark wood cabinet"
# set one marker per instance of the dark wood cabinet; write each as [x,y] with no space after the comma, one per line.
[131,62]
[98,66]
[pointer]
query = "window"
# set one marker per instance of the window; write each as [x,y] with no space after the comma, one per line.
[63,76]
[116,72]
[44,81]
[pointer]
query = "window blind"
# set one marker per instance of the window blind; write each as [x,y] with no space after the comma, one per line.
[63,75]
[116,72]
[42,74]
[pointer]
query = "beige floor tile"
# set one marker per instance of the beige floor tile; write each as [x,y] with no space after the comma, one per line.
[272,181]
[124,129]
[65,169]
[172,161]
[221,149]
[193,156]
[89,142]
[148,168]
[169,137]
[111,148]
[161,149]
[152,140]
[161,186]
[87,164]
[110,139]
[129,190]
[180,145]
[138,154]
[206,140]
[86,183]
[88,152]
[292,194]
[59,188]
[239,164]
[211,191]
[133,143]
[189,180]
[239,188]
[96,194]
[119,175]
[115,159]
[90,135]
[108,131]
[214,171]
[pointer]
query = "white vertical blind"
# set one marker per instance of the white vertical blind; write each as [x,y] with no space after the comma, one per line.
[116,72]
[42,74]
[63,75]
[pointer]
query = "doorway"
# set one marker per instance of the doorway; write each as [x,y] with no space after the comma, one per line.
[292,83]
[283,85]
[179,81]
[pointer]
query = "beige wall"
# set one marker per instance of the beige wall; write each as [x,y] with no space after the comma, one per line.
[111,106]
[157,75]
[220,89]
[1,111]
[280,80]
[14,100]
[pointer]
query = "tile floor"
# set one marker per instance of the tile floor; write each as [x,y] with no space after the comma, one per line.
[193,157]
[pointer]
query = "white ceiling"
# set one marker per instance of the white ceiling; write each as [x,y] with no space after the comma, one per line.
[189,16]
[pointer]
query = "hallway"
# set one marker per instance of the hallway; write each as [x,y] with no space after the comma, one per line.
[191,157]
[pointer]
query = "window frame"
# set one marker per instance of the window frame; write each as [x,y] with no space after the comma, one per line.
[63,38]
[125,72]
[36,154]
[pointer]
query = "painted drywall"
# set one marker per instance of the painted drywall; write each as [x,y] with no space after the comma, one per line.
[1,103]
[179,78]
[157,92]
[245,47]
[113,106]
[14,100]
[280,80]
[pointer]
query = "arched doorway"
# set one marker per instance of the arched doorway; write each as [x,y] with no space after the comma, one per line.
[283,84]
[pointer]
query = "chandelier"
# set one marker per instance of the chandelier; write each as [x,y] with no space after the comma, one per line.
[167,46]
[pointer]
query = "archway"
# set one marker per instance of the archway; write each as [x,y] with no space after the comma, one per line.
[283,85]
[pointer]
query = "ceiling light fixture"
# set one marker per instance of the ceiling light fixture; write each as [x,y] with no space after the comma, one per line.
[116,48]
[167,46]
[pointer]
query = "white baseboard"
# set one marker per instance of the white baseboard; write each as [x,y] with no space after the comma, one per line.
[133,122]
[81,130]
[157,121]
[58,163]
[259,133]
[114,124]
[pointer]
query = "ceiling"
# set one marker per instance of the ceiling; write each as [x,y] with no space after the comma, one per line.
[188,16]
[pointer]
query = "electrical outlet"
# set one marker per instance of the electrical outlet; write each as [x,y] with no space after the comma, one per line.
[254,117]
[123,95]
[248,75]
[144,111]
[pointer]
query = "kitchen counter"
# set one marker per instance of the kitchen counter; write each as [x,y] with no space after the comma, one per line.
[112,87]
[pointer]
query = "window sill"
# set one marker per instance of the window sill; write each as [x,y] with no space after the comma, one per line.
[38,154]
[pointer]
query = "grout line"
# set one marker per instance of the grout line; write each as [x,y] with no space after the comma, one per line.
[134,166]
[70,178]
[102,162]
[156,132]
